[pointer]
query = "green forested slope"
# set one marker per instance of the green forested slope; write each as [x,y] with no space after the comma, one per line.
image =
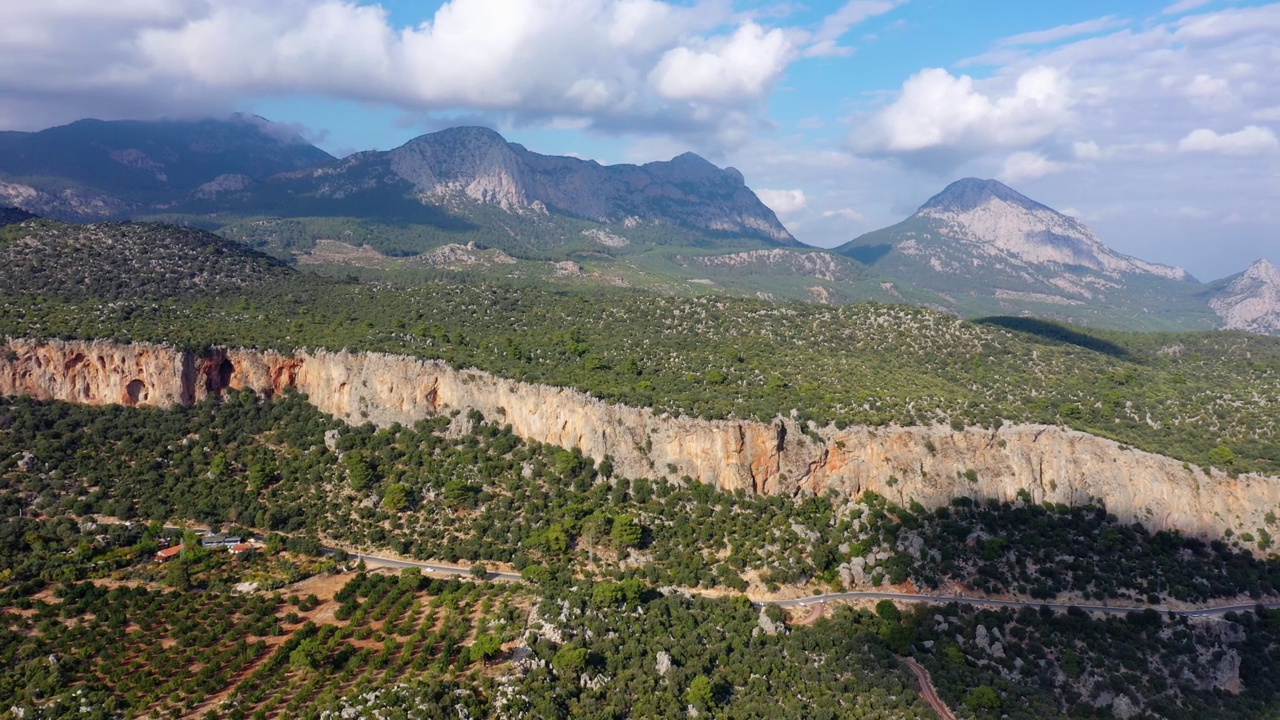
[1208,398]
[131,637]
[119,261]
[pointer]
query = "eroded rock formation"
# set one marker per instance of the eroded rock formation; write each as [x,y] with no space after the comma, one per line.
[927,464]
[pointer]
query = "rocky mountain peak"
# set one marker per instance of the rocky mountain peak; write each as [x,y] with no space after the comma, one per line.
[475,164]
[470,162]
[1251,301]
[462,135]
[968,194]
[1262,271]
[1002,225]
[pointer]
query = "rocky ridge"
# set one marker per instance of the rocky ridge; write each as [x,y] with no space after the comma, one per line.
[995,220]
[92,169]
[930,465]
[1251,301]
[466,165]
[988,250]
[815,264]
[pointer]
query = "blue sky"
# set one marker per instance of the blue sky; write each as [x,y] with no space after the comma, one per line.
[1155,122]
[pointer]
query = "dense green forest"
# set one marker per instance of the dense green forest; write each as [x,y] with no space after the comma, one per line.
[463,490]
[1208,398]
[587,634]
[635,594]
[126,261]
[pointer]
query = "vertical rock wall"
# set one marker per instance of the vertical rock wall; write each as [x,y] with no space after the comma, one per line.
[926,464]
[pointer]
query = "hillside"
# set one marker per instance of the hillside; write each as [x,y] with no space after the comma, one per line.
[12,216]
[93,169]
[1249,301]
[630,588]
[990,250]
[1180,395]
[117,261]
[460,185]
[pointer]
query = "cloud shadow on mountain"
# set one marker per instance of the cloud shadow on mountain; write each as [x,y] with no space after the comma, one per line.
[1057,333]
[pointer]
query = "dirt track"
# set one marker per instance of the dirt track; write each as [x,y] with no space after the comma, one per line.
[929,692]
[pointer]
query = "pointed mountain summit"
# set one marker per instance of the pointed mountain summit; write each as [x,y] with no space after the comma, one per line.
[468,169]
[996,251]
[1251,300]
[1002,221]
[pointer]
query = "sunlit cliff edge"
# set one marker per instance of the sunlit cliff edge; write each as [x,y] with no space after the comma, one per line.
[931,465]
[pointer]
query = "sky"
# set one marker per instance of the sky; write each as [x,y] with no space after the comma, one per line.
[1154,122]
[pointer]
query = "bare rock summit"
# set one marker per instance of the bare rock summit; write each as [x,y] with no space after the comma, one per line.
[1008,227]
[1251,301]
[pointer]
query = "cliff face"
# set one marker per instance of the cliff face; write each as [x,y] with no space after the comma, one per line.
[478,165]
[926,464]
[1251,302]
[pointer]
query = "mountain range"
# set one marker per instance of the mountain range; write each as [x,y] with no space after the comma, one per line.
[977,248]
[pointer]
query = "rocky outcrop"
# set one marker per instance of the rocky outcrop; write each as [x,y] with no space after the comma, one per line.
[930,465]
[1000,222]
[980,245]
[476,165]
[1251,301]
[815,264]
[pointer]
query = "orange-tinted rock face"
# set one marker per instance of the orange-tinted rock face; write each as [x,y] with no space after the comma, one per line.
[925,464]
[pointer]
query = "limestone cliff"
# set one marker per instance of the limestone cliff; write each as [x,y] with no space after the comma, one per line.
[926,464]
[1251,301]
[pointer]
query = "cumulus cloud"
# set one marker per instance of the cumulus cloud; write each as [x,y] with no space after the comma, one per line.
[783,202]
[939,110]
[742,66]
[1026,165]
[1251,140]
[622,64]
[1126,100]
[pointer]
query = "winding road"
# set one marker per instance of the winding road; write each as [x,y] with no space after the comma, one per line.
[988,602]
[428,567]
[928,691]
[453,571]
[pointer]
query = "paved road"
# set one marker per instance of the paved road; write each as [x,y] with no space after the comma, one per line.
[985,602]
[428,567]
[453,571]
[928,691]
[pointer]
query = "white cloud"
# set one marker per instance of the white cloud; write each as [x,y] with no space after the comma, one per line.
[1090,151]
[1027,165]
[656,65]
[1229,23]
[783,202]
[1271,114]
[1087,151]
[1248,141]
[1207,88]
[1063,32]
[1183,6]
[826,41]
[740,67]
[835,25]
[937,109]
[845,213]
[1192,213]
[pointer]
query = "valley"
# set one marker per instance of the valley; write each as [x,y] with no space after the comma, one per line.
[520,435]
